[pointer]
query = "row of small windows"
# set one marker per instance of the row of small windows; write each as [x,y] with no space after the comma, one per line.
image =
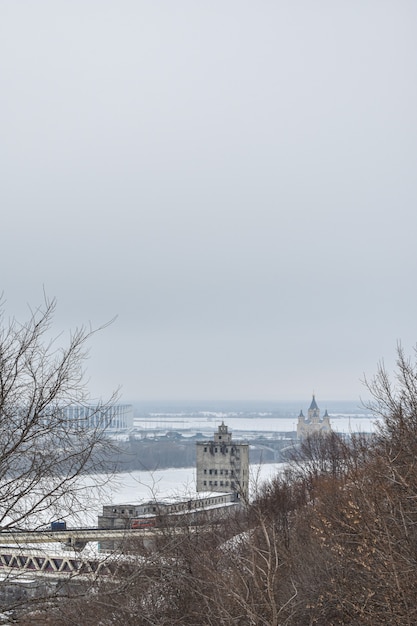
[195,504]
[132,512]
[214,483]
[226,450]
[220,471]
[216,500]
[177,507]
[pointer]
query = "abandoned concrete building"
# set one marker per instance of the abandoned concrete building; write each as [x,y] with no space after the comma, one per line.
[223,464]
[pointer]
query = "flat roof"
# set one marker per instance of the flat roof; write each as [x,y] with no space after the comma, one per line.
[200,495]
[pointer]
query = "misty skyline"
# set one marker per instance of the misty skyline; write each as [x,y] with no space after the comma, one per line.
[235,181]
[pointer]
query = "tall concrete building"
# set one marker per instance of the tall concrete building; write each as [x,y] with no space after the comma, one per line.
[313,423]
[223,464]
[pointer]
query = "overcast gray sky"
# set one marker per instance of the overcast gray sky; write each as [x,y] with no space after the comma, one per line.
[235,180]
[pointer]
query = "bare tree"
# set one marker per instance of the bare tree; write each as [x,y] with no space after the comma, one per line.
[44,455]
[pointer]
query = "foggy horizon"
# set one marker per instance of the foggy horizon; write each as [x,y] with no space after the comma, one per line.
[234,181]
[246,405]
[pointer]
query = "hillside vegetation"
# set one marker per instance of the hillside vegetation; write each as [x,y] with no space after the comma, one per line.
[331,541]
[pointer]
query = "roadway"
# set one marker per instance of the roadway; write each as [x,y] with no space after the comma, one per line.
[71,536]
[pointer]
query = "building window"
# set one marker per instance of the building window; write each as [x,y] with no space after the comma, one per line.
[210,472]
[205,448]
[221,483]
[221,472]
[210,482]
[215,449]
[215,471]
[205,471]
[205,483]
[226,472]
[215,483]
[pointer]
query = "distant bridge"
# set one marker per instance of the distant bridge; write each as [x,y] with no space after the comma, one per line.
[55,566]
[16,559]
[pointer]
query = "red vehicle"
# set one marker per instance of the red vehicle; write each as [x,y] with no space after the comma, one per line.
[143,522]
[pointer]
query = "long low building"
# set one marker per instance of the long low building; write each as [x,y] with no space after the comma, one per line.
[198,509]
[123,515]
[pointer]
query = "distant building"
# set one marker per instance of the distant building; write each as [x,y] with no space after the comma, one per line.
[113,418]
[223,464]
[313,423]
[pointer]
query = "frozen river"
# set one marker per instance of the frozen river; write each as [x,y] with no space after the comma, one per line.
[239,424]
[142,485]
[135,486]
